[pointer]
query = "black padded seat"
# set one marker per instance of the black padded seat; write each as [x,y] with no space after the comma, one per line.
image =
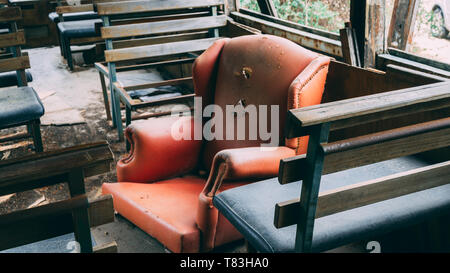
[86,15]
[10,78]
[79,29]
[250,209]
[19,105]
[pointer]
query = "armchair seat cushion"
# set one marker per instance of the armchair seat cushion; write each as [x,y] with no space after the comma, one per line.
[19,105]
[10,78]
[251,209]
[166,210]
[86,15]
[79,29]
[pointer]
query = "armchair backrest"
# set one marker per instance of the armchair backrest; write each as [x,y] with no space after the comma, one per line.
[255,72]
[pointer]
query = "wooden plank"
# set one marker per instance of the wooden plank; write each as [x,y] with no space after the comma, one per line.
[10,14]
[163,101]
[364,150]
[190,24]
[287,23]
[368,192]
[234,29]
[289,169]
[350,50]
[157,84]
[351,112]
[417,64]
[372,148]
[267,7]
[416,58]
[13,136]
[144,6]
[16,63]
[12,39]
[307,39]
[36,224]
[15,145]
[85,40]
[160,39]
[375,31]
[158,50]
[101,210]
[402,23]
[412,75]
[73,9]
[358,21]
[53,167]
[106,248]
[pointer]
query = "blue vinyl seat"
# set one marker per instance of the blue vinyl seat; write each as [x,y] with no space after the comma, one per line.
[87,15]
[10,78]
[251,208]
[19,105]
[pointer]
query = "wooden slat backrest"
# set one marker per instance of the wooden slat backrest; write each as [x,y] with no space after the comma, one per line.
[162,27]
[129,7]
[10,14]
[322,157]
[72,9]
[13,40]
[141,52]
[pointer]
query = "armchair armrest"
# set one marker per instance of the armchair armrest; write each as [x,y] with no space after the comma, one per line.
[155,153]
[244,163]
[233,164]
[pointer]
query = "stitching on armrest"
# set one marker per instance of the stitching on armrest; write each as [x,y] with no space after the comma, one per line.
[298,91]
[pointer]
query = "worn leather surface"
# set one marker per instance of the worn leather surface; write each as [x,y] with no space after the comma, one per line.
[271,65]
[250,209]
[10,78]
[79,29]
[18,105]
[155,155]
[165,210]
[87,15]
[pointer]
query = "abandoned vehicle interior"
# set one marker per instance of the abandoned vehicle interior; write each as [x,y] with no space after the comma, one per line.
[222,126]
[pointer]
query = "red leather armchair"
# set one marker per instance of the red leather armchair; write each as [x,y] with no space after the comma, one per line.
[164,187]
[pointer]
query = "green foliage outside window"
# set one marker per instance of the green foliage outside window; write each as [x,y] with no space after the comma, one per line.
[313,13]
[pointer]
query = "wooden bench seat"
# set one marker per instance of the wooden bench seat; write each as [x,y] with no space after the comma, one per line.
[354,188]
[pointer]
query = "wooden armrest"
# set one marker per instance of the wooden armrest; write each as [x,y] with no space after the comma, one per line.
[73,9]
[351,112]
